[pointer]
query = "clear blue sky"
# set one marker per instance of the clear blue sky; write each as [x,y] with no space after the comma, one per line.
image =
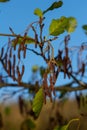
[18,14]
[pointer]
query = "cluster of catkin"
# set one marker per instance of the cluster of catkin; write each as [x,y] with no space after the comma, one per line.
[11,57]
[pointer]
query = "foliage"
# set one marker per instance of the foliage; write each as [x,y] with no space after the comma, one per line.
[38,12]
[59,26]
[38,102]
[13,54]
[85,28]
[65,127]
[28,124]
[54,6]
[4,0]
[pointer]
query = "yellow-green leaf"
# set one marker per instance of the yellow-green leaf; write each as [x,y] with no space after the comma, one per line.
[58,26]
[72,24]
[28,124]
[65,127]
[38,12]
[38,102]
[85,28]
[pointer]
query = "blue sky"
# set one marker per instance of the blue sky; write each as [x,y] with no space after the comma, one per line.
[18,14]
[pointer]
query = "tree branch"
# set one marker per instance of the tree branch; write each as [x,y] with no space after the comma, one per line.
[67,87]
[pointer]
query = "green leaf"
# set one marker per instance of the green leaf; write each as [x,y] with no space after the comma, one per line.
[85,27]
[4,0]
[27,124]
[38,102]
[54,6]
[72,24]
[58,26]
[38,12]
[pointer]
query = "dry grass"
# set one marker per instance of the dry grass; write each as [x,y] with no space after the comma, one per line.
[13,121]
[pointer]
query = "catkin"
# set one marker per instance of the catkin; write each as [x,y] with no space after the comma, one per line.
[23,68]
[13,71]
[9,67]
[24,54]
[2,52]
[14,61]
[10,53]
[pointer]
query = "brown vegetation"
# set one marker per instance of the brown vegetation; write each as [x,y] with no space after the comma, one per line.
[50,116]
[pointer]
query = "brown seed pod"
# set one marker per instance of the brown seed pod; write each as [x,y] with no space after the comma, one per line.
[2,51]
[10,53]
[66,51]
[54,78]
[65,66]
[5,61]
[24,54]
[23,41]
[52,82]
[15,42]
[14,61]
[36,40]
[19,77]
[13,73]
[18,74]
[17,69]
[23,68]
[22,45]
[83,68]
[45,84]
[9,67]
[19,50]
